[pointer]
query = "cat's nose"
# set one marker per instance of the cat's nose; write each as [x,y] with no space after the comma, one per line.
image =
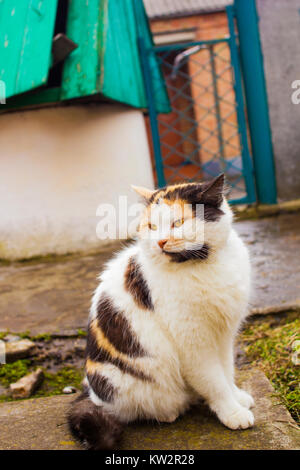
[161,243]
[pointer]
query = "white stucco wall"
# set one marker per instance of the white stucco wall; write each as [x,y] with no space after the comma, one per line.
[56,166]
[279,27]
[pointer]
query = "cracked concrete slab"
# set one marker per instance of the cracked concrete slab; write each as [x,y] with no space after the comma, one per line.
[274,244]
[49,297]
[41,424]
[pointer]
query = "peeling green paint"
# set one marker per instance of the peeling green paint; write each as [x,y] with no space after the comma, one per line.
[107,59]
[25,44]
[53,384]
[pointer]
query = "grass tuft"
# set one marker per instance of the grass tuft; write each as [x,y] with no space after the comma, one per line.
[270,346]
[10,373]
[53,384]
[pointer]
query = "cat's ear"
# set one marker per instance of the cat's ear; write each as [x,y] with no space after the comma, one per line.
[213,194]
[144,192]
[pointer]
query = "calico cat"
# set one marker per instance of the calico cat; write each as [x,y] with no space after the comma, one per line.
[164,317]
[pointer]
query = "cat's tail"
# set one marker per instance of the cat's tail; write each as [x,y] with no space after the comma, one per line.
[92,426]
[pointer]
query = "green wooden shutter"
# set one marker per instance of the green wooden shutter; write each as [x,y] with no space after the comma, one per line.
[26,30]
[81,67]
[122,77]
[160,98]
[107,60]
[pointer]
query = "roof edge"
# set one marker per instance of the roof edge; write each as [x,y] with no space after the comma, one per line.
[169,16]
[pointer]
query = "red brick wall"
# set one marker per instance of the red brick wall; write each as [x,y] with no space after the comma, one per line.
[208,26]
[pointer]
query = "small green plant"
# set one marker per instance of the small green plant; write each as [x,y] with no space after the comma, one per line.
[272,347]
[54,383]
[10,373]
[81,332]
[24,334]
[3,334]
[42,337]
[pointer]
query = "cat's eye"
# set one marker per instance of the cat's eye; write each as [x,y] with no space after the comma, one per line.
[152,226]
[178,223]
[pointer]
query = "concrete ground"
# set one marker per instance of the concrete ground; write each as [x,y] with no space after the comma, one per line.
[274,245]
[41,424]
[54,296]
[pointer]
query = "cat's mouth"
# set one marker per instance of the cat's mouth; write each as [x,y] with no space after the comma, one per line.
[199,252]
[168,251]
[175,246]
[182,247]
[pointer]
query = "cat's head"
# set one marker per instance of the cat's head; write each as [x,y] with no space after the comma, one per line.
[184,221]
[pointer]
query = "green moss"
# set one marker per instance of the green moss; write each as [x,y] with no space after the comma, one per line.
[5,262]
[10,373]
[3,334]
[50,258]
[81,332]
[42,337]
[258,211]
[54,383]
[271,347]
[24,334]
[2,249]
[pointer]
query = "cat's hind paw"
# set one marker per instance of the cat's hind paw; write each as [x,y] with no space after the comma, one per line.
[240,418]
[244,398]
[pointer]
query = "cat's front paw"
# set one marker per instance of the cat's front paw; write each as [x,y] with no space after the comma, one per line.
[244,398]
[239,418]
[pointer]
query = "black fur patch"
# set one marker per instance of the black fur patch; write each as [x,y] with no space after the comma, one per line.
[155,194]
[187,255]
[97,354]
[102,387]
[212,214]
[188,192]
[117,329]
[95,429]
[210,194]
[137,286]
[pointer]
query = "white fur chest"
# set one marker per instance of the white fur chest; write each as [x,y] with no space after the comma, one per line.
[198,299]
